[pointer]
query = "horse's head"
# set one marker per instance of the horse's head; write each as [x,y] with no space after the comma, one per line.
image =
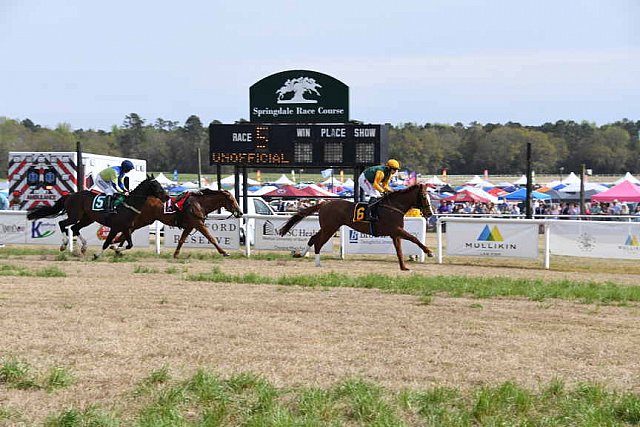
[231,204]
[424,201]
[151,187]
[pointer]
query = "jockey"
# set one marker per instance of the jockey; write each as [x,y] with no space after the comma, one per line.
[374,181]
[110,180]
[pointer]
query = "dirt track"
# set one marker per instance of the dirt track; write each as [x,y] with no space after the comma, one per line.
[113,327]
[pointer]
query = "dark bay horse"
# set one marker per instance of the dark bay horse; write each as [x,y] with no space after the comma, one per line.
[80,210]
[197,207]
[392,207]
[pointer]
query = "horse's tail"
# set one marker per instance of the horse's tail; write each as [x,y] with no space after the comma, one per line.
[48,211]
[297,217]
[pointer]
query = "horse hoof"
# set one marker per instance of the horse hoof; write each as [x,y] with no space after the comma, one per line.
[225,254]
[95,256]
[83,250]
[430,255]
[404,269]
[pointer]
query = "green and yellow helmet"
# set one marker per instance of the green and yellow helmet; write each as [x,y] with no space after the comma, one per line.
[393,164]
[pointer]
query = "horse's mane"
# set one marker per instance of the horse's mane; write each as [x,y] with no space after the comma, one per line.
[404,190]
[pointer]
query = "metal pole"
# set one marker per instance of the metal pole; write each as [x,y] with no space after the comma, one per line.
[582,175]
[79,167]
[199,170]
[529,183]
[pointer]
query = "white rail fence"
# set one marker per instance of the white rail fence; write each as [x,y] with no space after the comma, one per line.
[465,236]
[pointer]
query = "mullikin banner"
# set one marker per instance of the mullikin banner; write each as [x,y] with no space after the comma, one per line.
[492,239]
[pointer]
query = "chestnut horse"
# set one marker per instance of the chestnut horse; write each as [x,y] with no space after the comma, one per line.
[196,208]
[391,210]
[81,211]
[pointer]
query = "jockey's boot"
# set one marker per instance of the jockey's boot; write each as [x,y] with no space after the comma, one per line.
[110,208]
[372,209]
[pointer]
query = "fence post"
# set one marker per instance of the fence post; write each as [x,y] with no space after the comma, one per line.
[439,239]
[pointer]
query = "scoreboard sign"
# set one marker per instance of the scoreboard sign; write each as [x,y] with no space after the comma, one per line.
[252,144]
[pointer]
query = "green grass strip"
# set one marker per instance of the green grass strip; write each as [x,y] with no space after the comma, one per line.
[455,286]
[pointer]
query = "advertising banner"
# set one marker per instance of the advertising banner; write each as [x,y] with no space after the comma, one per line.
[492,239]
[225,230]
[296,239]
[13,227]
[355,242]
[47,232]
[596,239]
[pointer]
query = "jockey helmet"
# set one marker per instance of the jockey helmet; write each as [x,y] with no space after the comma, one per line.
[126,166]
[393,164]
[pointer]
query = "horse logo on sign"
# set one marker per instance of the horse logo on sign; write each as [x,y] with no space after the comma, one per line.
[299,87]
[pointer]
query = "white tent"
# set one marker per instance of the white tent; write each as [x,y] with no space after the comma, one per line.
[163,180]
[435,181]
[348,183]
[331,181]
[231,180]
[189,185]
[588,186]
[480,192]
[283,180]
[572,178]
[627,177]
[476,180]
[263,190]
[521,181]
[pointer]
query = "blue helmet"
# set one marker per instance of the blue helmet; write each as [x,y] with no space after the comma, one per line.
[126,166]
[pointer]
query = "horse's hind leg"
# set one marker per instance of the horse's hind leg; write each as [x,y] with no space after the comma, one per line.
[319,239]
[63,229]
[84,221]
[183,238]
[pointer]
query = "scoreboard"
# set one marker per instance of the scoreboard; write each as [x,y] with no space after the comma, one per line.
[299,145]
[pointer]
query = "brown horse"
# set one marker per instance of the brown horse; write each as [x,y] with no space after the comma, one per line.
[82,209]
[197,207]
[391,210]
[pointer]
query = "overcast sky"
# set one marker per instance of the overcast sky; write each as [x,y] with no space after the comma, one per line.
[90,63]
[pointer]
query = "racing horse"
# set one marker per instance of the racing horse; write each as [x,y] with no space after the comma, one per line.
[82,210]
[391,209]
[196,208]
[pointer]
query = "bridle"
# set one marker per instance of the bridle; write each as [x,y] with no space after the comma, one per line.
[424,203]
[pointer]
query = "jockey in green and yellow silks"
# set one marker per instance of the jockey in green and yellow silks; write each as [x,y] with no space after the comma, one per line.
[374,181]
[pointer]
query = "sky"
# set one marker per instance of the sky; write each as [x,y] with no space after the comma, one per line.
[90,63]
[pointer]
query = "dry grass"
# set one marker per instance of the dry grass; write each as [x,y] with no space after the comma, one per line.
[112,324]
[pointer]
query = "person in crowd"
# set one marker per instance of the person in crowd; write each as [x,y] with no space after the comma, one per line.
[111,180]
[636,213]
[595,208]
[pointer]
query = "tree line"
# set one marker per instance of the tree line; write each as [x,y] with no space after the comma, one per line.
[461,149]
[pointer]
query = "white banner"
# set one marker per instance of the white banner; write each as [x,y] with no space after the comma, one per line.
[13,227]
[492,239]
[596,239]
[355,242]
[46,231]
[225,230]
[296,239]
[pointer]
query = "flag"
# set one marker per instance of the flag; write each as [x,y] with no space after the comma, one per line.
[326,173]
[412,179]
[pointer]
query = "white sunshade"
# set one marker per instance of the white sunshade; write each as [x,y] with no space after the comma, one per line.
[163,180]
[231,180]
[435,181]
[283,180]
[628,177]
[575,187]
[476,180]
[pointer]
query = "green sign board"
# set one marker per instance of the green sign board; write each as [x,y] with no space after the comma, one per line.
[299,96]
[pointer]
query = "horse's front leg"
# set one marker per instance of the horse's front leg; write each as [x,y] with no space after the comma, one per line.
[397,243]
[107,243]
[404,234]
[202,228]
[183,238]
